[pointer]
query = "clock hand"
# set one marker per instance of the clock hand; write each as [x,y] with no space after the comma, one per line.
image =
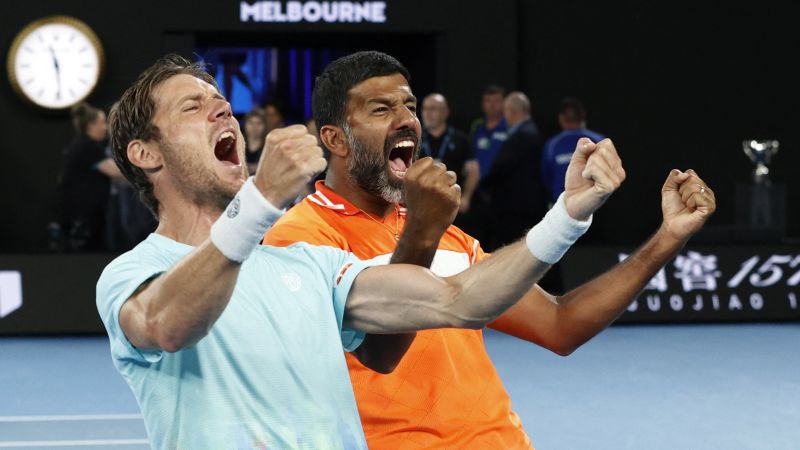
[58,73]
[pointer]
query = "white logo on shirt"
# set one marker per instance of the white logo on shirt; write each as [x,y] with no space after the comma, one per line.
[292,281]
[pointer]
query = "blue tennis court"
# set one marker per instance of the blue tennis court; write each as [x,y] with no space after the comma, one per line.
[731,387]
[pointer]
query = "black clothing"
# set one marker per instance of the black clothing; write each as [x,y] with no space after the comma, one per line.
[514,185]
[451,148]
[84,194]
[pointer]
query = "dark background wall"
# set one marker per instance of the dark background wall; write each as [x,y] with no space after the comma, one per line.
[674,86]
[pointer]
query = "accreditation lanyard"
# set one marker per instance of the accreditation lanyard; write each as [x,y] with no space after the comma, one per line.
[442,147]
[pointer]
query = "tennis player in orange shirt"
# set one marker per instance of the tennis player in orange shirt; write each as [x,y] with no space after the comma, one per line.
[438,389]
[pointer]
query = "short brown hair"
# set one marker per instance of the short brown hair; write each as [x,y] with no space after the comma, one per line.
[131,117]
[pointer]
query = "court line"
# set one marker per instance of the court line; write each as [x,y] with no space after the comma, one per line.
[73,443]
[65,418]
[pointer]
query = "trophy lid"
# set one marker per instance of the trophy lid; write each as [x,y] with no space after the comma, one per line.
[760,152]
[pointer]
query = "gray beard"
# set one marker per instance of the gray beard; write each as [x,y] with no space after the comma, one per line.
[368,170]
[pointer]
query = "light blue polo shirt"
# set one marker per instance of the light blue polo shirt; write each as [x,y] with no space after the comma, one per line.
[270,374]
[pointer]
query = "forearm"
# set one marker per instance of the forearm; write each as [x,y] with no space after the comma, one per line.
[418,243]
[489,288]
[587,310]
[179,308]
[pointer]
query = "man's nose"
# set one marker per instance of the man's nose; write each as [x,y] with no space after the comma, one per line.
[406,118]
[220,109]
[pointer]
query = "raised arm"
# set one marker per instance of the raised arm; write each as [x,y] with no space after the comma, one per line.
[404,298]
[178,308]
[562,324]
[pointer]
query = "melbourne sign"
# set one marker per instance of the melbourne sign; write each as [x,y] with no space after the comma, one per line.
[312,12]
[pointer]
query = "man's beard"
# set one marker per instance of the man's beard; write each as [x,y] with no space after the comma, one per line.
[198,183]
[369,170]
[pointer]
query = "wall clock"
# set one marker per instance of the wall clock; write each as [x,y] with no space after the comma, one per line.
[55,62]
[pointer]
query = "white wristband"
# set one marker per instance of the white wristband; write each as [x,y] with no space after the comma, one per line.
[555,234]
[242,225]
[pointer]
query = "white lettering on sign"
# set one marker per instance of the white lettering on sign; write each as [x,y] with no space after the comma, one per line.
[697,271]
[312,12]
[653,302]
[756,301]
[677,302]
[10,292]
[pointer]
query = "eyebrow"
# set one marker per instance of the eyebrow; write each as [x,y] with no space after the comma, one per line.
[390,101]
[197,97]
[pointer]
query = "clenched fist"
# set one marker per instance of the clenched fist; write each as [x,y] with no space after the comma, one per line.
[686,203]
[432,194]
[291,158]
[594,173]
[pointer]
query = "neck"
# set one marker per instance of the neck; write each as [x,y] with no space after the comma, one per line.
[183,221]
[438,130]
[254,145]
[517,120]
[492,121]
[354,194]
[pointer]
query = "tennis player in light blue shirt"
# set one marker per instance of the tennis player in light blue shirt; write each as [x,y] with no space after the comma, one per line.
[270,374]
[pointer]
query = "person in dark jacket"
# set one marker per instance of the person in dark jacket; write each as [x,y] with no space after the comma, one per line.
[85,181]
[516,194]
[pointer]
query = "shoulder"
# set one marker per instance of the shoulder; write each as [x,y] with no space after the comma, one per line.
[455,239]
[552,141]
[530,127]
[304,222]
[147,255]
[476,125]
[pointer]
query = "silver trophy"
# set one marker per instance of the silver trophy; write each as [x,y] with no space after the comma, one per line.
[760,153]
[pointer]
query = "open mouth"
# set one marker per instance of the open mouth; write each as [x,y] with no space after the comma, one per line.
[225,149]
[400,156]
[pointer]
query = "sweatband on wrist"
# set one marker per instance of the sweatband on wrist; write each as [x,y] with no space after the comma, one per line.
[242,225]
[555,234]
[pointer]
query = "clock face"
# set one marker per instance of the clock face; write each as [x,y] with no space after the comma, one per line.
[56,62]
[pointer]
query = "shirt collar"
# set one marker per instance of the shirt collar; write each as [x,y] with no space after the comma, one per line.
[327,198]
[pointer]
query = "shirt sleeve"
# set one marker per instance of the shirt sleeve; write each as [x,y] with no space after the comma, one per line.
[116,285]
[348,270]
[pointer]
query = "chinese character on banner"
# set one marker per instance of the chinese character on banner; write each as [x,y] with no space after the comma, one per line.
[697,271]
[657,283]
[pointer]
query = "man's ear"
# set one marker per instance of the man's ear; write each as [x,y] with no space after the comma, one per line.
[145,155]
[334,140]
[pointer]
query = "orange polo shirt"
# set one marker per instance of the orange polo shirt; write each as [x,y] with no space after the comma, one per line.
[445,393]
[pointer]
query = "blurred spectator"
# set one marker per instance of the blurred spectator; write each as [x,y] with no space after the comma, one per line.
[275,116]
[487,135]
[489,132]
[516,195]
[559,148]
[128,221]
[255,133]
[311,125]
[450,146]
[84,184]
